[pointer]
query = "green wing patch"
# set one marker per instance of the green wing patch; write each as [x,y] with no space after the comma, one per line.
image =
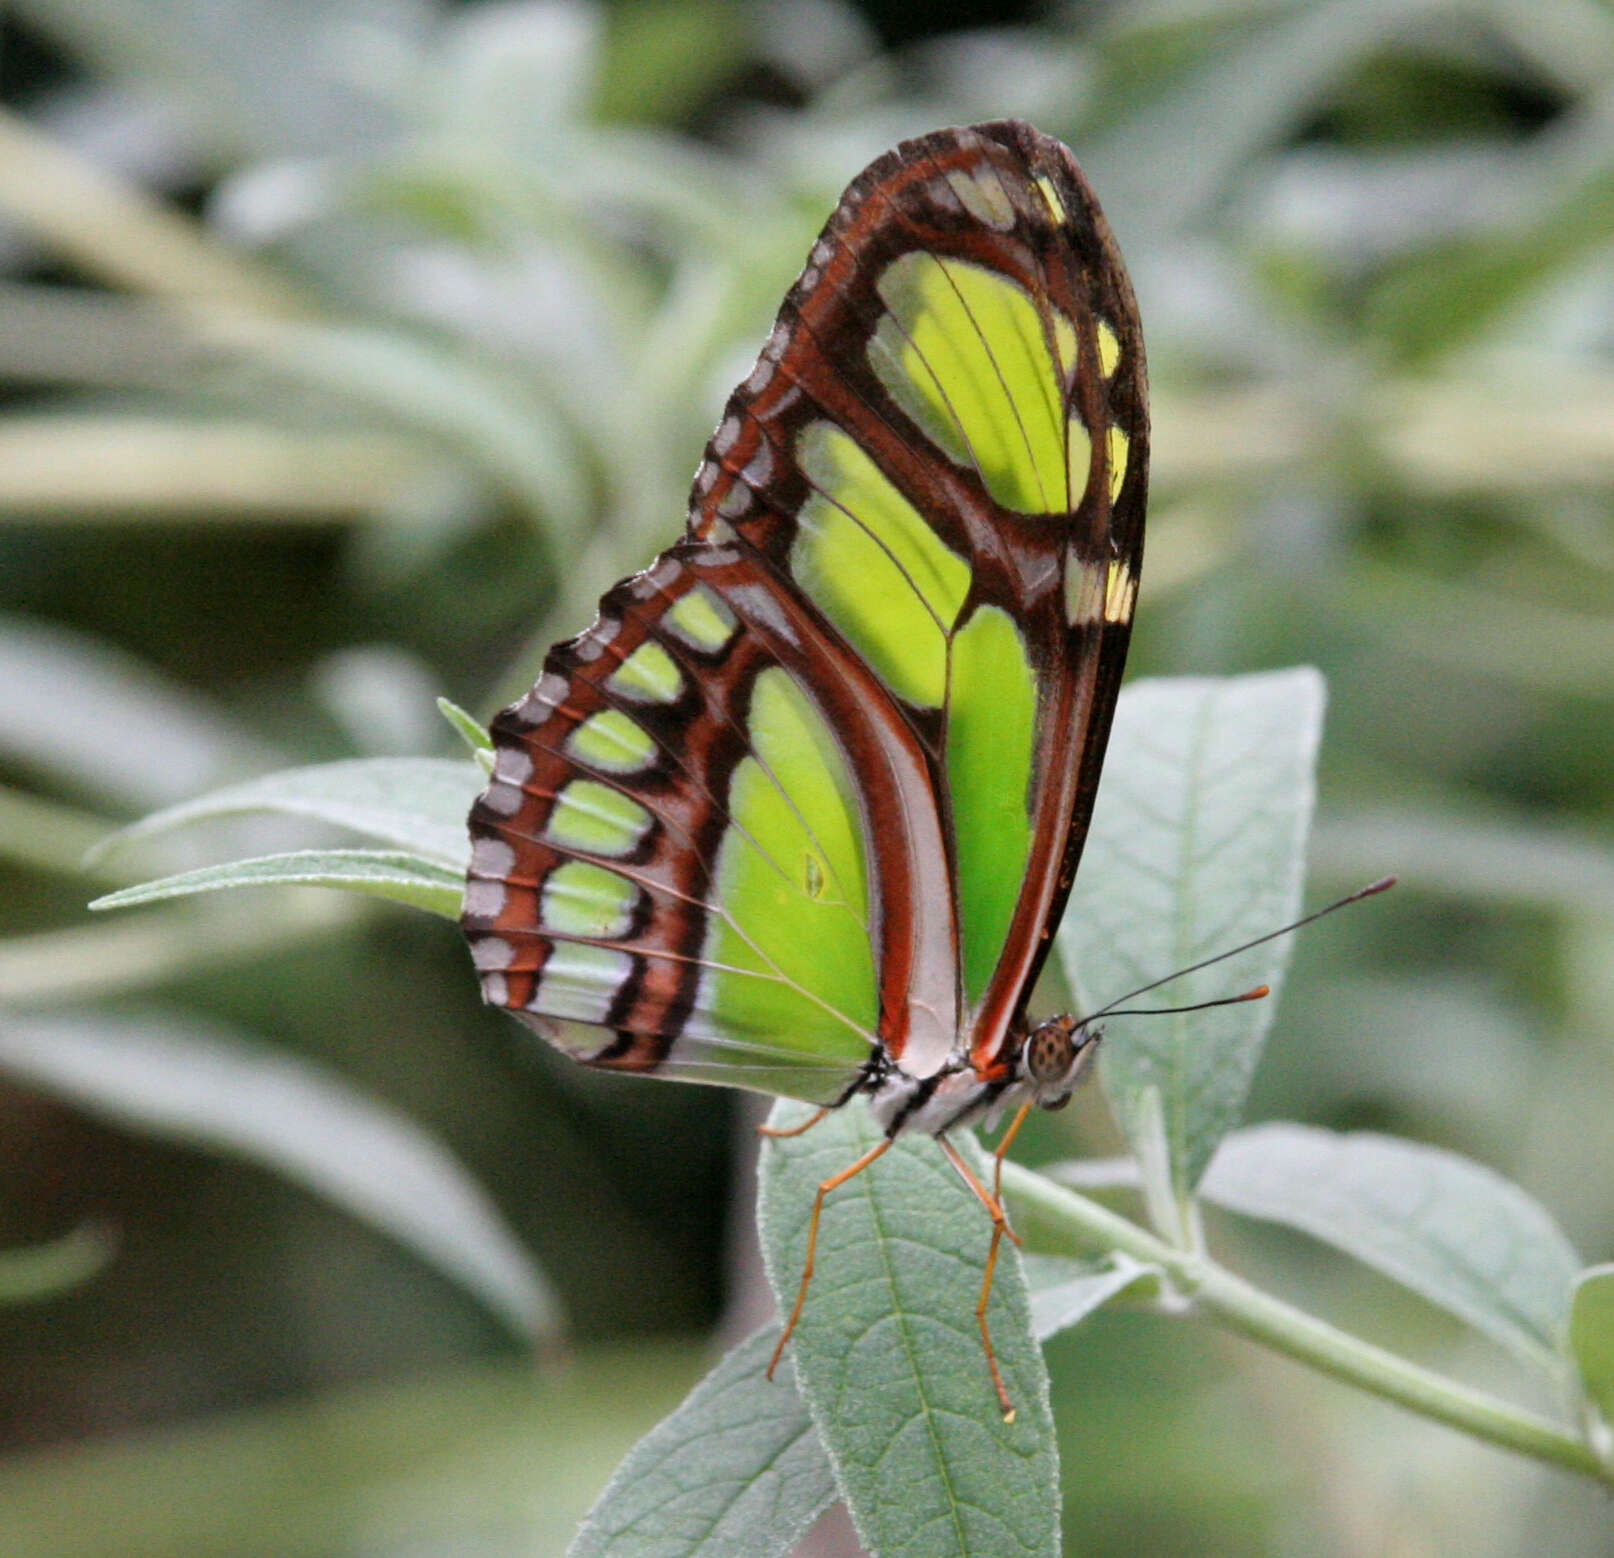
[789,954]
[966,353]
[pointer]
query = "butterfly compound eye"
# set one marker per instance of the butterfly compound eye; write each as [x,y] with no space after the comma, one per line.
[1055,1056]
[1049,1052]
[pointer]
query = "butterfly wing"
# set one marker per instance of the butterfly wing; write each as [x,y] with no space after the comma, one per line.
[945,446]
[817,779]
[669,867]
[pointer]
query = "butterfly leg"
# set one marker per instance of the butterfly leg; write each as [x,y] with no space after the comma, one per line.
[1000,1226]
[834,1182]
[1000,1151]
[776,1133]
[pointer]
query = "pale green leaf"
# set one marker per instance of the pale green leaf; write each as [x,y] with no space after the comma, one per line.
[382,873]
[42,1271]
[67,701]
[736,1472]
[189,1081]
[1064,1292]
[1197,845]
[417,803]
[1591,1336]
[1451,1230]
[888,1355]
[467,727]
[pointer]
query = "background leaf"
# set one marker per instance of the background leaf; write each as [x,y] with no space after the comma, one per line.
[1451,1230]
[47,1269]
[1591,1341]
[168,741]
[1197,844]
[887,1353]
[200,1084]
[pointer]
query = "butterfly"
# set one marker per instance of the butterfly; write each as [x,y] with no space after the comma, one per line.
[800,811]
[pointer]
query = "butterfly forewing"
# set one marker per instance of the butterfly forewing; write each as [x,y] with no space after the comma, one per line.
[818,778]
[944,447]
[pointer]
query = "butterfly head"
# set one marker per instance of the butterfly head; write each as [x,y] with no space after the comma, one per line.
[1055,1058]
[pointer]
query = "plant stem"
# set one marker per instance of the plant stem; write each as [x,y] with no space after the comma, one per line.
[1246,1309]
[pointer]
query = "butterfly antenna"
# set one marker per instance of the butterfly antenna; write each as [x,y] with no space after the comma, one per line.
[1259,993]
[1384,884]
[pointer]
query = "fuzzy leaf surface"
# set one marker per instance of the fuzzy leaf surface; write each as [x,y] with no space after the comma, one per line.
[1453,1231]
[383,873]
[736,1472]
[418,803]
[888,1356]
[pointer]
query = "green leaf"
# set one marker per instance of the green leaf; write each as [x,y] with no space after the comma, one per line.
[1591,1341]
[1197,844]
[423,884]
[467,727]
[887,1353]
[418,803]
[65,695]
[1456,1233]
[736,1472]
[192,1082]
[1064,1292]
[48,1269]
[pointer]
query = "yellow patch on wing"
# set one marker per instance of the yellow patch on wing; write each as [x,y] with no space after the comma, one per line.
[1120,591]
[1050,195]
[1109,348]
[701,620]
[1116,448]
[592,816]
[583,899]
[613,742]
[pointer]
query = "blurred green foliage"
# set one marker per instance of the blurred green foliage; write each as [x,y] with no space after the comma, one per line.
[349,351]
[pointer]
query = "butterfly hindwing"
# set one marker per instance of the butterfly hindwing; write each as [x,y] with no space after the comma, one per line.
[817,780]
[668,869]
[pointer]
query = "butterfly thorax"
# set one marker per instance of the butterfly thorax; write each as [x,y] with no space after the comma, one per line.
[1043,1065]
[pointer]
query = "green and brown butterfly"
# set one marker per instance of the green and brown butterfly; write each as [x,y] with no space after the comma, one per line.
[801,810]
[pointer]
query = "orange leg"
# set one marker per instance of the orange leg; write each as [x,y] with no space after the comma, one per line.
[775,1134]
[992,1203]
[834,1182]
[1000,1151]
[1000,1226]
